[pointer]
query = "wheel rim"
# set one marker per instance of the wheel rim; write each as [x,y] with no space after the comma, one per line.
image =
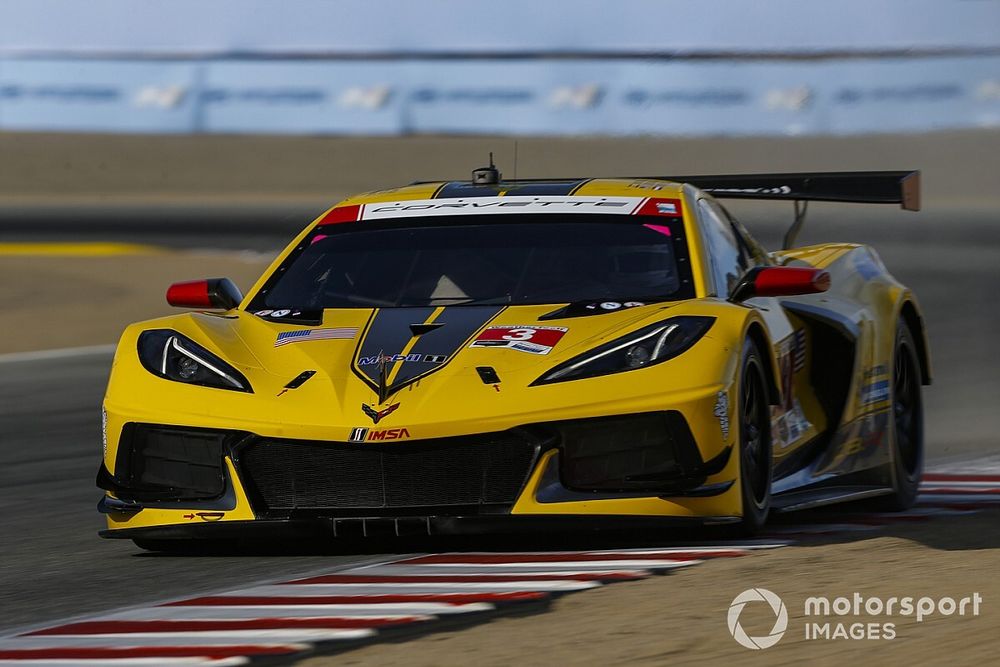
[905,408]
[753,436]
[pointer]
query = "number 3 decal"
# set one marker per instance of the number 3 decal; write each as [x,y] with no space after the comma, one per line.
[520,334]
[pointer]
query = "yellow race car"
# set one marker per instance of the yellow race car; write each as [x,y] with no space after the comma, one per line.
[494,355]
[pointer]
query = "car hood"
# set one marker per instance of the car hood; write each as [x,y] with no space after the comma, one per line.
[427,359]
[393,348]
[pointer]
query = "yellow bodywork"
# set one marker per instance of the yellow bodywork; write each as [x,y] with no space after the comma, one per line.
[455,401]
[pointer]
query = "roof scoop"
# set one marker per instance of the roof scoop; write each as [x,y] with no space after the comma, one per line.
[486,175]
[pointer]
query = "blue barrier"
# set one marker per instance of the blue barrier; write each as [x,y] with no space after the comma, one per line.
[540,97]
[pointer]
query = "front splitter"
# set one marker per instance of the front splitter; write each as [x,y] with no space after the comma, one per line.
[372,527]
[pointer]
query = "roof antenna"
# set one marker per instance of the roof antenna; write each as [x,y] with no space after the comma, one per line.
[486,175]
[515,159]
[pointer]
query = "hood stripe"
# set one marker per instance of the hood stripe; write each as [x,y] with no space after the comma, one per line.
[394,373]
[388,333]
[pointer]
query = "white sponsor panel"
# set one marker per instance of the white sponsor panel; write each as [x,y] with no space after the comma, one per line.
[500,205]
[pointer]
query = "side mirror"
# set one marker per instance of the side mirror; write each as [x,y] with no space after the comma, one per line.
[214,293]
[780,281]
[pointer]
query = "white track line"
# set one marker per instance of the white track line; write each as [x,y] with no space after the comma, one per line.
[465,569]
[313,610]
[58,353]
[293,590]
[219,613]
[283,637]
[146,641]
[527,567]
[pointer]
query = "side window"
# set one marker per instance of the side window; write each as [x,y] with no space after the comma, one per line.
[727,258]
[756,254]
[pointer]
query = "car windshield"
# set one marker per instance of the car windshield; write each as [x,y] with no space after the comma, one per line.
[464,260]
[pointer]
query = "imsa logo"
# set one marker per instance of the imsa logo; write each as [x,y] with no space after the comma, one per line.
[363,434]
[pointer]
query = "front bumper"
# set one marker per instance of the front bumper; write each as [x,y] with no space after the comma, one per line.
[564,478]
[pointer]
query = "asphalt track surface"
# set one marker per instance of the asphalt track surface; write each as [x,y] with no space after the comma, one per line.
[52,565]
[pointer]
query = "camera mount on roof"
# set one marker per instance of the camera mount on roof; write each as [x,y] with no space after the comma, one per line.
[486,175]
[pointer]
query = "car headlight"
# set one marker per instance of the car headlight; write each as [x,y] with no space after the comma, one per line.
[170,355]
[648,346]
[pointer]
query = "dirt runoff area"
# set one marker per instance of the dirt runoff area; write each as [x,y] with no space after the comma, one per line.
[681,618]
[70,300]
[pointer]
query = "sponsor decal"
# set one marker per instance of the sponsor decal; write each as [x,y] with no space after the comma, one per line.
[866,266]
[524,338]
[876,371]
[663,207]
[311,317]
[584,96]
[370,98]
[205,516]
[378,415]
[374,360]
[686,97]
[788,421]
[779,190]
[646,185]
[582,308]
[788,99]
[104,430]
[721,412]
[905,94]
[363,434]
[159,97]
[799,350]
[613,305]
[303,335]
[875,392]
[508,204]
[788,427]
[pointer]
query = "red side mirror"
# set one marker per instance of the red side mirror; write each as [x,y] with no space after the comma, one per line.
[214,293]
[780,281]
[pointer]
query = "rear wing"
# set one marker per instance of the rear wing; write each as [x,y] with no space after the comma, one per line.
[865,187]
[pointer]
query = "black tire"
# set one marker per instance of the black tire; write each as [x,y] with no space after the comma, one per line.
[754,424]
[906,424]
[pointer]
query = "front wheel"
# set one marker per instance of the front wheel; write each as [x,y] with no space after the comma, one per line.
[755,441]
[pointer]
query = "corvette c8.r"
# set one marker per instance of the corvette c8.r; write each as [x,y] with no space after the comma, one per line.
[498,355]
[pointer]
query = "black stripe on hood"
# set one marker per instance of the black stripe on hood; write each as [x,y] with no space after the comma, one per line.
[388,334]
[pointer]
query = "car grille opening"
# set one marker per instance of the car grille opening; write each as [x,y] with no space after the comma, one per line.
[476,473]
[170,463]
[638,452]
